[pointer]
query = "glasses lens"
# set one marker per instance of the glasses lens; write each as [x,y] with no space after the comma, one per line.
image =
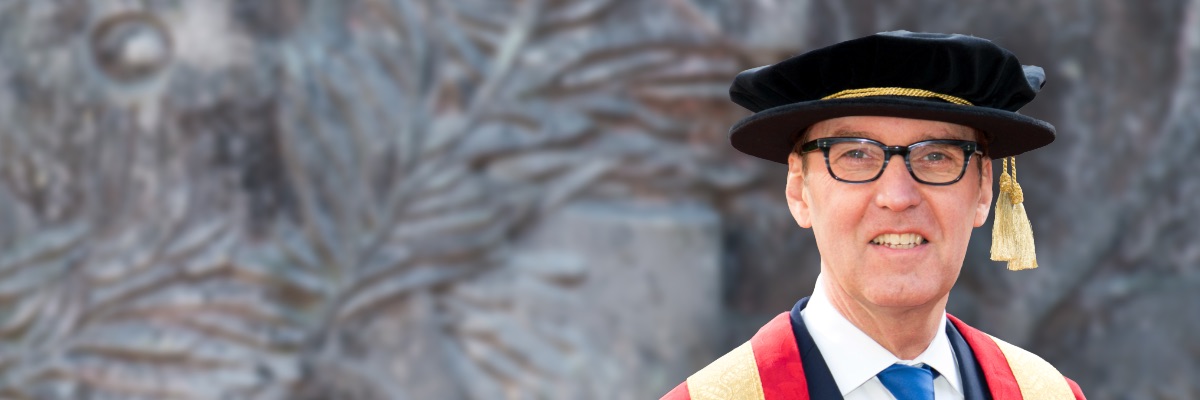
[855,161]
[937,162]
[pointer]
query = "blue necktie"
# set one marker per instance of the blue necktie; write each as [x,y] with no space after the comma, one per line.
[907,382]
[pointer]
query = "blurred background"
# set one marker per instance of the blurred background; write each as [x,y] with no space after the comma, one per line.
[534,199]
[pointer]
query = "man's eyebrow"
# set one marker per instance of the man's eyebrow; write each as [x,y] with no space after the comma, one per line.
[846,133]
[947,135]
[924,136]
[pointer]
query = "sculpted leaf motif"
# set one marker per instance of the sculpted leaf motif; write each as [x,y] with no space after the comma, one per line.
[420,148]
[231,219]
[113,284]
[91,318]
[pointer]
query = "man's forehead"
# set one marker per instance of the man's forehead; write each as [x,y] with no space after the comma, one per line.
[884,128]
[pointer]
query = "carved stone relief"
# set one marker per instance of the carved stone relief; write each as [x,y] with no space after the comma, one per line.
[391,199]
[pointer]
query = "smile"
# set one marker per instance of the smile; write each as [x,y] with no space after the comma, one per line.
[899,240]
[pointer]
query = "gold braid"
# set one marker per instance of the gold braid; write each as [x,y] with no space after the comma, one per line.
[895,91]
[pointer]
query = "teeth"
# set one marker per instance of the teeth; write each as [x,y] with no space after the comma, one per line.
[899,240]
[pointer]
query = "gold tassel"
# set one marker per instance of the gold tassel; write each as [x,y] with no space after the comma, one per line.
[1012,234]
[1003,248]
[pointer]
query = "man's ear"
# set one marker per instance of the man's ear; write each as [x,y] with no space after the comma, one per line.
[985,192]
[796,191]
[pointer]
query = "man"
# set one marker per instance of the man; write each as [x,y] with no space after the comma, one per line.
[892,232]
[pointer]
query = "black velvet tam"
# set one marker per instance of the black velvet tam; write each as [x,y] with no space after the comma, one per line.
[787,97]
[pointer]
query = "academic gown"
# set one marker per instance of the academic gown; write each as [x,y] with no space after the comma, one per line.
[782,362]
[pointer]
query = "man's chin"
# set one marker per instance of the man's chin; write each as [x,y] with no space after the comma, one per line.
[905,299]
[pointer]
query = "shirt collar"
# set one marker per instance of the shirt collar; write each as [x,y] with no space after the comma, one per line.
[854,358]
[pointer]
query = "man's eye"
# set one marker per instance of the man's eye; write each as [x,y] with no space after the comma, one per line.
[857,154]
[934,157]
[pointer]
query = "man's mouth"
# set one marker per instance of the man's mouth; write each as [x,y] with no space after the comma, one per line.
[899,240]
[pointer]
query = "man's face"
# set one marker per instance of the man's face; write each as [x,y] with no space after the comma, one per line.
[850,220]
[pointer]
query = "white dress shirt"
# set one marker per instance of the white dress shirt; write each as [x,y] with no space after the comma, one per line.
[854,358]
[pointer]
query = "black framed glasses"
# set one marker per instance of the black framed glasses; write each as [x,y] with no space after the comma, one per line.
[857,160]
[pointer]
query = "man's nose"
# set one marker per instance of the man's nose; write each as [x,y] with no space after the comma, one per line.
[896,189]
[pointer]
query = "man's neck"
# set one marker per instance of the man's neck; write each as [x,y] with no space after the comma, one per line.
[904,331]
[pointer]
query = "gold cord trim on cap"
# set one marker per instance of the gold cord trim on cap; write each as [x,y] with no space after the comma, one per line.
[895,91]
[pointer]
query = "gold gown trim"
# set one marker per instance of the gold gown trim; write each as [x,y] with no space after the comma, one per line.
[734,376]
[1036,377]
